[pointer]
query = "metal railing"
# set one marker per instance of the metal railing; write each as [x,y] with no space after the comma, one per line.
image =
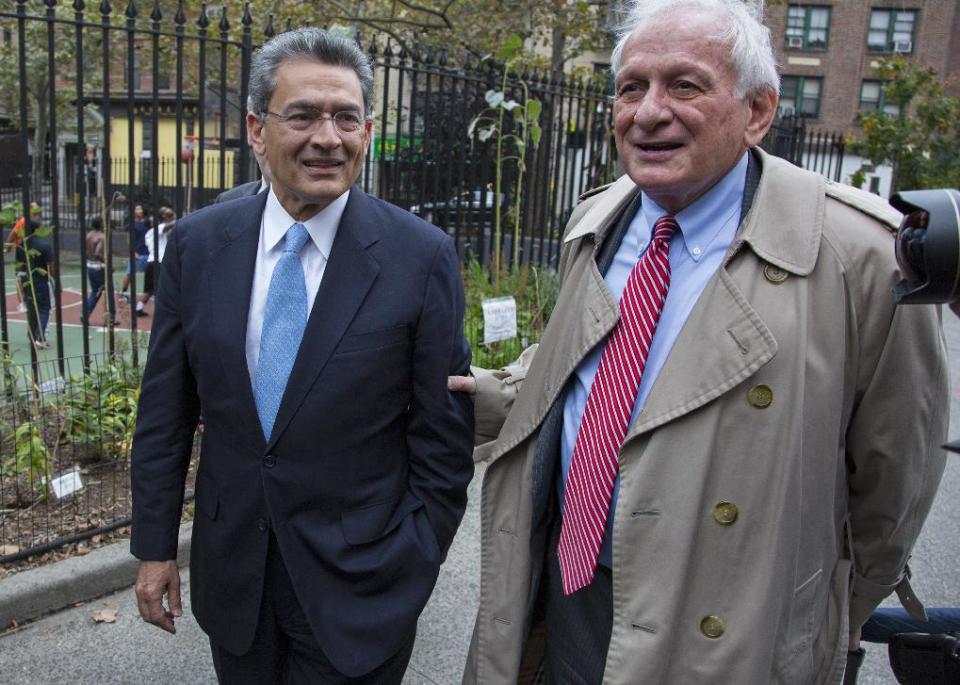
[65,452]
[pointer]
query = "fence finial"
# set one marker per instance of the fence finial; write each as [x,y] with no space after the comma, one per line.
[224,25]
[180,19]
[79,5]
[203,21]
[156,14]
[269,31]
[131,11]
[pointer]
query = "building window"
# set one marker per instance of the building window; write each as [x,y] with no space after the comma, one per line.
[891,31]
[808,27]
[800,96]
[872,99]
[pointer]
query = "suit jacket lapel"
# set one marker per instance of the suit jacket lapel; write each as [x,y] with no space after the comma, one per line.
[349,275]
[231,262]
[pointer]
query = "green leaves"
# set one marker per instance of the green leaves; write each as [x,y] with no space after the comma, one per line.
[921,140]
[510,48]
[9,213]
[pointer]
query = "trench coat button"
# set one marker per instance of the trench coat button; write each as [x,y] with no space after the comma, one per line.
[774,274]
[712,627]
[262,525]
[725,513]
[269,461]
[760,396]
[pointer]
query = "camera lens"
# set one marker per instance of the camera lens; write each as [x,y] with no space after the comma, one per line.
[928,246]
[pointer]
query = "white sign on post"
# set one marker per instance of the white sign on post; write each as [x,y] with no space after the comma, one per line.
[67,483]
[499,319]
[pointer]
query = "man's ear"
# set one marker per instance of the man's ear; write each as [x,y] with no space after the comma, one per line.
[255,133]
[763,110]
[367,133]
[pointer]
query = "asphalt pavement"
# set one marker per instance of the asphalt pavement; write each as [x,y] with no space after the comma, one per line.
[69,646]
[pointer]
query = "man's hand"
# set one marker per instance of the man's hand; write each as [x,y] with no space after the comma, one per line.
[467,384]
[154,580]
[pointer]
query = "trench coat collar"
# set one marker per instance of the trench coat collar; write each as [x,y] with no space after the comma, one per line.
[784,232]
[786,237]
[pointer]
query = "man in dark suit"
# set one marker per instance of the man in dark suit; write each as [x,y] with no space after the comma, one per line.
[334,462]
[261,185]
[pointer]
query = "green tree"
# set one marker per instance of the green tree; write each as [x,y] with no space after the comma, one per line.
[37,70]
[478,27]
[921,141]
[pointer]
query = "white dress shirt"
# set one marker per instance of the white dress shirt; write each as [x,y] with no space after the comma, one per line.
[161,243]
[322,228]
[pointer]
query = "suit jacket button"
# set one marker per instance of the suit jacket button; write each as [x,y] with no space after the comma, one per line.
[712,627]
[760,396]
[262,525]
[725,513]
[269,461]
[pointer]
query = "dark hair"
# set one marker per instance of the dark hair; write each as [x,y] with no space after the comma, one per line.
[96,224]
[312,43]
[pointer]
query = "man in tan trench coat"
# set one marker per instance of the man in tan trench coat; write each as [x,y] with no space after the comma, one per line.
[784,446]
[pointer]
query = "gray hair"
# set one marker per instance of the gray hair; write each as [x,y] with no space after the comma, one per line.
[749,40]
[311,43]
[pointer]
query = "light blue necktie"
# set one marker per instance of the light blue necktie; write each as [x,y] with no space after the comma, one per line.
[284,319]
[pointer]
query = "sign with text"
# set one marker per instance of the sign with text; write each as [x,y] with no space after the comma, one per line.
[67,483]
[499,319]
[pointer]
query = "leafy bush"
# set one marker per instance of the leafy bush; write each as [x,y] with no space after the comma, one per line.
[535,290]
[101,409]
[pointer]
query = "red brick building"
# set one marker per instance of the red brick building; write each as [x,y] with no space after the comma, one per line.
[825,49]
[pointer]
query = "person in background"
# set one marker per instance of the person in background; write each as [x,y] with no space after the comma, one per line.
[718,459]
[96,270]
[13,241]
[168,220]
[34,259]
[139,264]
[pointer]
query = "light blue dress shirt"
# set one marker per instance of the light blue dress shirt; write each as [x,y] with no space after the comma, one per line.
[707,228]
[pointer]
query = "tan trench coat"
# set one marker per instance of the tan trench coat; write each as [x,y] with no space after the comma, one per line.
[796,398]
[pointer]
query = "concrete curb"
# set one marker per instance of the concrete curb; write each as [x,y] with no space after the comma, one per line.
[31,594]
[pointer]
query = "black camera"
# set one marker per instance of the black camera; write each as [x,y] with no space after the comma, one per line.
[928,246]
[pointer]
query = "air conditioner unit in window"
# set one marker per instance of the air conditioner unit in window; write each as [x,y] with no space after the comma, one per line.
[794,41]
[903,47]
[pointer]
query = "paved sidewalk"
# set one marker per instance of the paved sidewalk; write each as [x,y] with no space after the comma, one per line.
[69,647]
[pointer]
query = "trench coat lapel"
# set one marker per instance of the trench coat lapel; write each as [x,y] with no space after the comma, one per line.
[230,276]
[583,317]
[723,342]
[349,275]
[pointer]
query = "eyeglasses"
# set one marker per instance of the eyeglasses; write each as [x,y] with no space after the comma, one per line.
[303,120]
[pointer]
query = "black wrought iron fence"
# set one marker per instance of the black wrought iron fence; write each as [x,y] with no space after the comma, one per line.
[819,151]
[123,105]
[118,106]
[65,437]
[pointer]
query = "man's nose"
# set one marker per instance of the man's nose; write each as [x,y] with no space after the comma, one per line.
[325,133]
[653,110]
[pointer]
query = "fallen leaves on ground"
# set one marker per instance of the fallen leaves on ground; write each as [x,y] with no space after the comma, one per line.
[105,616]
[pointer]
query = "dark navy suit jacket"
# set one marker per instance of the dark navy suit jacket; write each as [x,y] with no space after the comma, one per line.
[364,479]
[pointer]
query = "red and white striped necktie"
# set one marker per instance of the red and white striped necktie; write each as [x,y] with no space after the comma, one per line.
[593,468]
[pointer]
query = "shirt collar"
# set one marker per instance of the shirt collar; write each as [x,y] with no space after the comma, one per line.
[322,226]
[702,221]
